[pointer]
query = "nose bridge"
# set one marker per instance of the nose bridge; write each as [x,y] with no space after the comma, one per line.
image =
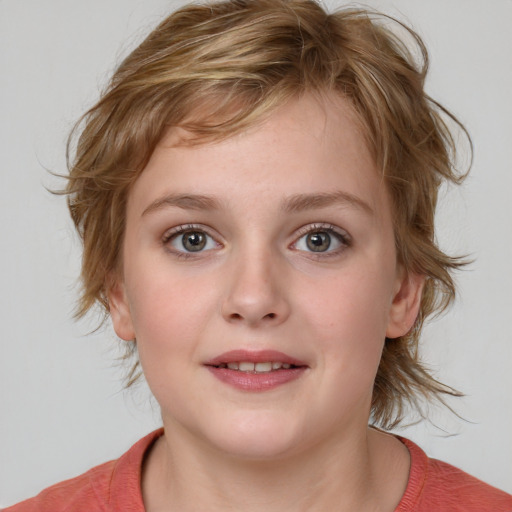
[255,293]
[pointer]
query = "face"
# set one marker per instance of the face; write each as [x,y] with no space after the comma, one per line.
[260,281]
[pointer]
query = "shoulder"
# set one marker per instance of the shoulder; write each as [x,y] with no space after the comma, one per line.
[436,486]
[88,490]
[112,486]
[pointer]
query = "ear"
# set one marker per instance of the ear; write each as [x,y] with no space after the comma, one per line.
[406,303]
[120,309]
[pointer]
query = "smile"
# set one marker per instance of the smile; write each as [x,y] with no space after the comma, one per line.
[256,371]
[247,366]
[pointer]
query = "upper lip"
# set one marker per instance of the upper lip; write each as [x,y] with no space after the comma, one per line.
[256,356]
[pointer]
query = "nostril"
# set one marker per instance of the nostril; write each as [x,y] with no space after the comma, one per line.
[238,316]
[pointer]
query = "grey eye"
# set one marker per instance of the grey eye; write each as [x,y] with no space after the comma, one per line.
[319,241]
[192,240]
[322,240]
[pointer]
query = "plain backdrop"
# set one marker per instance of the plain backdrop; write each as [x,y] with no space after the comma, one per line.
[62,406]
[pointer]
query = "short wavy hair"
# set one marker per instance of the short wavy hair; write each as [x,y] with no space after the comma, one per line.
[217,68]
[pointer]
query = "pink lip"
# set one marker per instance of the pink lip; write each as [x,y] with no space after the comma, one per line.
[248,381]
[260,356]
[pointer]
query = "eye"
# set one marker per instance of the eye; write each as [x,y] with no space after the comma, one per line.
[320,239]
[189,240]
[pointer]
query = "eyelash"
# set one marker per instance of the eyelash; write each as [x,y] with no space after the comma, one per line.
[334,232]
[174,233]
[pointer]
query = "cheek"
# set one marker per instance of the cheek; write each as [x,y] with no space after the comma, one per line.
[358,302]
[169,314]
[350,316]
[348,326]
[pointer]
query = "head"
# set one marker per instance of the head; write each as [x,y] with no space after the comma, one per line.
[219,69]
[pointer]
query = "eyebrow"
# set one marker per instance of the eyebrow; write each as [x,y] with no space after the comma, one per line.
[184,201]
[293,204]
[300,202]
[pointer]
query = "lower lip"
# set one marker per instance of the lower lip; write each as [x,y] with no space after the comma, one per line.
[248,381]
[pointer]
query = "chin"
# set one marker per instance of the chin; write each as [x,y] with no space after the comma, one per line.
[256,436]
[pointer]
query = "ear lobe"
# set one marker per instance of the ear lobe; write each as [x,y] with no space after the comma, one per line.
[406,305]
[120,310]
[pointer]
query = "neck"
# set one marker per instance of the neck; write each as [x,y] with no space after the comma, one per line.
[366,472]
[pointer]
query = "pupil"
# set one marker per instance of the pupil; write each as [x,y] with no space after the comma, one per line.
[194,241]
[319,242]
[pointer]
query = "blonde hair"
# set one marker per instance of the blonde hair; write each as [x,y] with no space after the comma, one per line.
[216,69]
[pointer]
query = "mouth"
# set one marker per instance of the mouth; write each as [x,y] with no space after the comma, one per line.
[256,371]
[260,361]
[248,366]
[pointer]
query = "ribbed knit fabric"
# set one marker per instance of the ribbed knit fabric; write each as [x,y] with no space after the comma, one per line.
[434,486]
[112,486]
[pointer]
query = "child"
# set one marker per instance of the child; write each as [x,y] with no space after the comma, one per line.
[255,194]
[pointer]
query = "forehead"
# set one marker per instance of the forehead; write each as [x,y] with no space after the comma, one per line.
[312,144]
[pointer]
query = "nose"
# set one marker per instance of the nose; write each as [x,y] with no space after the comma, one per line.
[256,291]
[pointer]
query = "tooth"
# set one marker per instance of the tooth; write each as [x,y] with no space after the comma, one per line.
[246,366]
[263,367]
[233,366]
[286,366]
[276,366]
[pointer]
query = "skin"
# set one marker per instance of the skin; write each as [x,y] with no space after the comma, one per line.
[257,285]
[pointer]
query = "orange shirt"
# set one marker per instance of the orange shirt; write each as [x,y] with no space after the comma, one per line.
[434,486]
